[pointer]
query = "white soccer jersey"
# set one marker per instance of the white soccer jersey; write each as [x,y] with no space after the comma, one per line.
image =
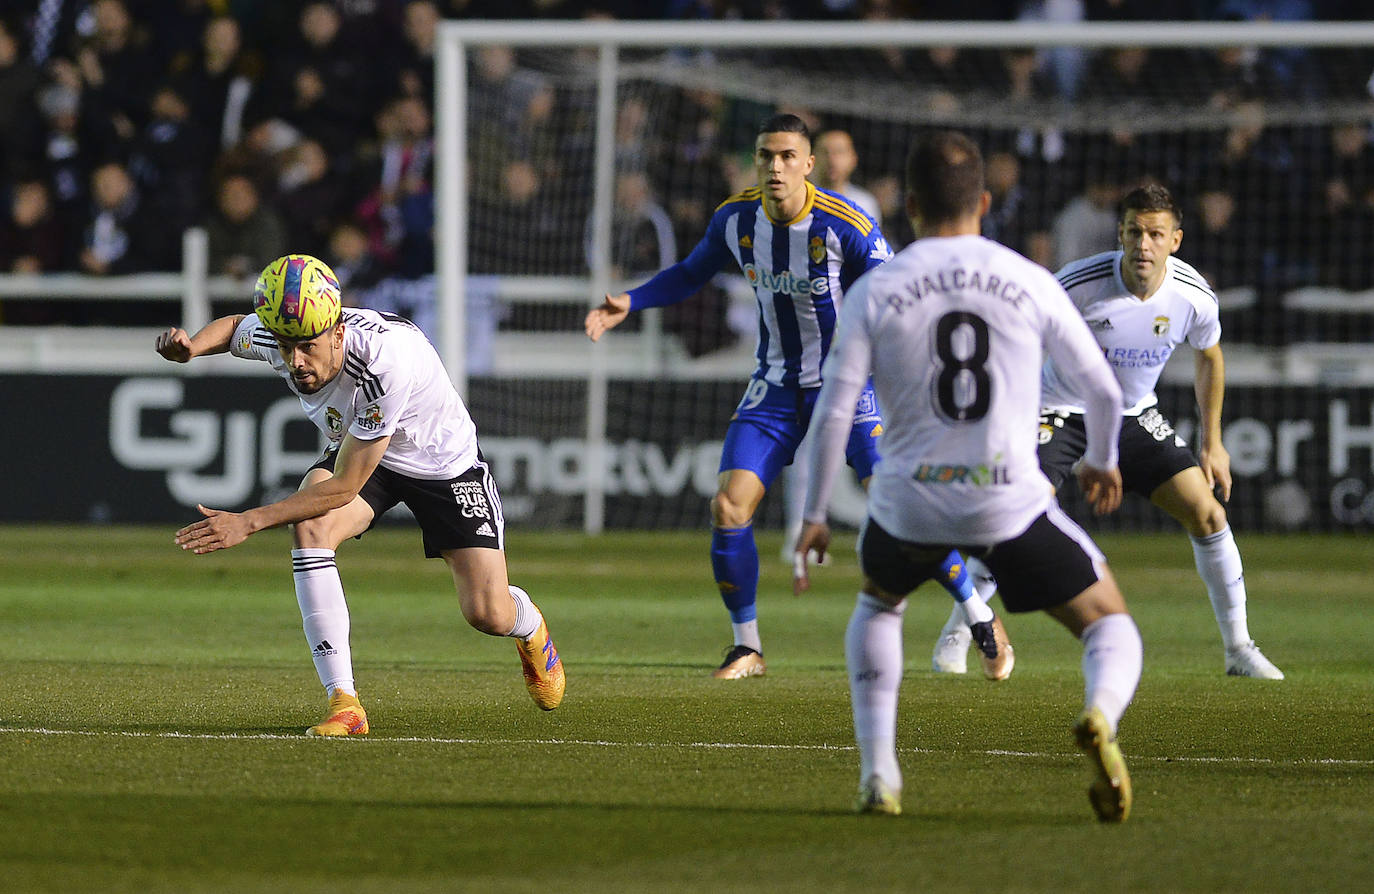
[953,331]
[1137,337]
[392,383]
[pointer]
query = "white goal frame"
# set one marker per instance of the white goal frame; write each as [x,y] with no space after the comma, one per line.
[457,38]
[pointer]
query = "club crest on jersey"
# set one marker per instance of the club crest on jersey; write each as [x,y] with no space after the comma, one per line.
[1160,327]
[245,342]
[816,249]
[786,282]
[371,417]
[334,419]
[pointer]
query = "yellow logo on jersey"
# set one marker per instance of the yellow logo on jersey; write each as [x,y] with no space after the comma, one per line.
[1161,327]
[816,250]
[746,242]
[245,342]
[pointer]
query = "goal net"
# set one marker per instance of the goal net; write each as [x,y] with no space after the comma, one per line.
[580,158]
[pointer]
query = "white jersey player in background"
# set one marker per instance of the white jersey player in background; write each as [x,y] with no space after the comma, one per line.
[1141,302]
[952,332]
[398,432]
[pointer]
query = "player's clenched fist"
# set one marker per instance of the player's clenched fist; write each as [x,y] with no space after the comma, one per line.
[175,345]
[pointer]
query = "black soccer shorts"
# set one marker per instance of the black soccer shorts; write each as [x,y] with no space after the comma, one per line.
[1049,563]
[1150,452]
[456,513]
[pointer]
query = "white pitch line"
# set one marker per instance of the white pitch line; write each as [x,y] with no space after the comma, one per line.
[601,743]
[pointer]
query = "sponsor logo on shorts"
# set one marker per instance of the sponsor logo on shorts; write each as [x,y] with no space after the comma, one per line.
[471,498]
[484,530]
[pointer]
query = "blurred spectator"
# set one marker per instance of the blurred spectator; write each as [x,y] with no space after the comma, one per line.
[243,235]
[415,71]
[836,161]
[352,261]
[20,136]
[641,231]
[1340,224]
[118,65]
[1087,224]
[169,161]
[321,87]
[311,197]
[64,156]
[399,210]
[121,234]
[1215,242]
[31,236]
[1012,218]
[220,84]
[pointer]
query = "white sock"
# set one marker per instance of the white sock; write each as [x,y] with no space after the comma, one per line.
[1112,659]
[527,616]
[873,656]
[747,634]
[324,615]
[1218,563]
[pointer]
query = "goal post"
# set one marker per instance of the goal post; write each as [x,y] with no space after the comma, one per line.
[531,231]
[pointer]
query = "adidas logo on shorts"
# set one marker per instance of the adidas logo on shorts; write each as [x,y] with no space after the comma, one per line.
[485,530]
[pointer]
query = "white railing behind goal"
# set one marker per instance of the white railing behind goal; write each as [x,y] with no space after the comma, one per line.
[575,158]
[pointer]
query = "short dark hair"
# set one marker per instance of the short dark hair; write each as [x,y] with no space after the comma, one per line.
[1150,198]
[944,175]
[784,122]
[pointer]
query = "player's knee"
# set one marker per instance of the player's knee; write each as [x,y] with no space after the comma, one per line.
[1208,517]
[313,533]
[726,513]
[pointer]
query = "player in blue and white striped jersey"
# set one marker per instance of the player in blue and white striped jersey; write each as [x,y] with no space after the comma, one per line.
[1141,303]
[800,247]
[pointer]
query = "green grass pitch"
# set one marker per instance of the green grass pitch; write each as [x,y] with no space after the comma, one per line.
[152,705]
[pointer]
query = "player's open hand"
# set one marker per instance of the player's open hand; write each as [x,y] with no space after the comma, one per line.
[175,345]
[218,530]
[1100,487]
[608,315]
[812,543]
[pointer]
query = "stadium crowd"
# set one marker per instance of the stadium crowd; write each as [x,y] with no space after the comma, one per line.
[307,127]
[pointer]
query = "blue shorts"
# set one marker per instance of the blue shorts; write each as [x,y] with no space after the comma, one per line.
[771,421]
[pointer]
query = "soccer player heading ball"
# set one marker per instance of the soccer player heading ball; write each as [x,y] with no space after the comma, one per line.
[398,433]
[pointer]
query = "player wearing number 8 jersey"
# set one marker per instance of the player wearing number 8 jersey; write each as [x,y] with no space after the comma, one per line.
[800,248]
[952,332]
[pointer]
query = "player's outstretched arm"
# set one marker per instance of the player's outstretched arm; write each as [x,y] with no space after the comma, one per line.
[608,315]
[355,463]
[179,346]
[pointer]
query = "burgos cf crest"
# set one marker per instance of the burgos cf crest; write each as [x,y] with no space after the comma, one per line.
[816,248]
[1160,327]
[335,420]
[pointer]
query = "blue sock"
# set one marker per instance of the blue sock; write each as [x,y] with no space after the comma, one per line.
[954,577]
[735,561]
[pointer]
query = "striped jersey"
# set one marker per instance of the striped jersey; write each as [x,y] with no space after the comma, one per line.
[1137,337]
[953,331]
[392,383]
[799,270]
